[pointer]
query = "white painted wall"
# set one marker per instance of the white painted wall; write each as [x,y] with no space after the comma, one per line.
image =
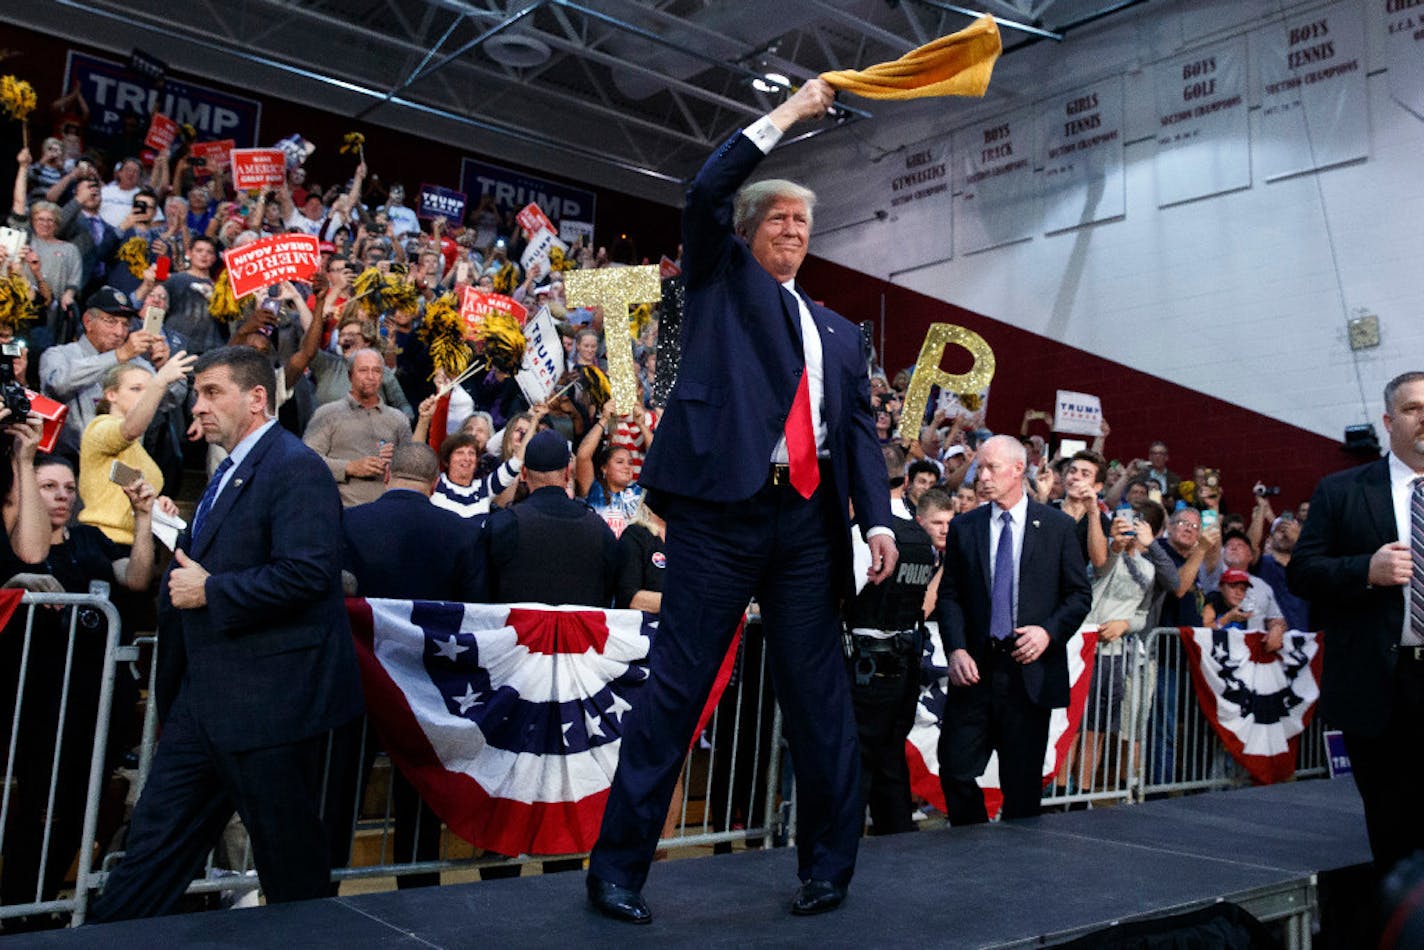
[1244,296]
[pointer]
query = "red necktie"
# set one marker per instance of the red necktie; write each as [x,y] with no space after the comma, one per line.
[801,441]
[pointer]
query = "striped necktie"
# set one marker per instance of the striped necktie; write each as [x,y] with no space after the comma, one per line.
[1416,548]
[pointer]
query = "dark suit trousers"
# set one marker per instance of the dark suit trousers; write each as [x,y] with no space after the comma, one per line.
[777,547]
[994,714]
[192,792]
[1389,773]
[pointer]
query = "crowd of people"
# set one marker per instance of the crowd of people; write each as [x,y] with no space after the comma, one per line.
[536,501]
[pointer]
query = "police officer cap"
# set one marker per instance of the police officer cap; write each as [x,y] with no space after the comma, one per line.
[547,452]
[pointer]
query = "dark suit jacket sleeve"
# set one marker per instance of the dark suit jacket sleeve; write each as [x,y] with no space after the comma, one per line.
[868,490]
[948,611]
[304,517]
[707,215]
[1316,571]
[474,581]
[1075,594]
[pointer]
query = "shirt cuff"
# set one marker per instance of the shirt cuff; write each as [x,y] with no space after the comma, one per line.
[878,530]
[764,134]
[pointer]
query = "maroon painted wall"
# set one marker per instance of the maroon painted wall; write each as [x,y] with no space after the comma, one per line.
[1140,408]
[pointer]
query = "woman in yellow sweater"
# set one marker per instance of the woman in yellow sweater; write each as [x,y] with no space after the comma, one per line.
[132,393]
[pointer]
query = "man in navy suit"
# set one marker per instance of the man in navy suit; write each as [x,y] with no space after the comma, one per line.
[402,546]
[1014,590]
[1360,561]
[767,435]
[262,663]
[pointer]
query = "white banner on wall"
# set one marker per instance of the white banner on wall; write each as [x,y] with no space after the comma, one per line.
[1314,105]
[996,200]
[1404,23]
[1203,130]
[1081,154]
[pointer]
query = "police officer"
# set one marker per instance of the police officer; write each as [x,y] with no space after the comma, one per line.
[885,624]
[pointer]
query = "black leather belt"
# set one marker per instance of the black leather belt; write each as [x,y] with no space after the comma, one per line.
[1006,645]
[1411,653]
[779,473]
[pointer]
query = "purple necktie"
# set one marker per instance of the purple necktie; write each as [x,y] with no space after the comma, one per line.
[1416,544]
[1001,597]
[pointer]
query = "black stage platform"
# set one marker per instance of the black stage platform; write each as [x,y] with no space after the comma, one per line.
[1026,883]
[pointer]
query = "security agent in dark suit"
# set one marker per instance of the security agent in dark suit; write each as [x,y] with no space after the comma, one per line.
[1006,633]
[262,660]
[401,546]
[549,548]
[1360,560]
[766,438]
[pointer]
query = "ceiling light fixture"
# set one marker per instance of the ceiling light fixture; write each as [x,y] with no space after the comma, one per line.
[772,82]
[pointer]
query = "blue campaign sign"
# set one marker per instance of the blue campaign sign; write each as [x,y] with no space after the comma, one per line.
[513,190]
[437,202]
[1335,755]
[113,90]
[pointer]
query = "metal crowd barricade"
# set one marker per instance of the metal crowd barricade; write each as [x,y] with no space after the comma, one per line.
[729,793]
[92,625]
[1102,764]
[1181,751]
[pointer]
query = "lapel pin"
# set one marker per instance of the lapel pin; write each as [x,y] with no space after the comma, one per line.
[1035,522]
[237,483]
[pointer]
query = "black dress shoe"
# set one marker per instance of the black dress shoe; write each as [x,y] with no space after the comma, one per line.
[817,897]
[618,902]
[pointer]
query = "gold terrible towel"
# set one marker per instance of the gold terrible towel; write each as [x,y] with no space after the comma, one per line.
[956,65]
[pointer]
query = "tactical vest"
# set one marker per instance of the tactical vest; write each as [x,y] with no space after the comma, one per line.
[558,561]
[897,603]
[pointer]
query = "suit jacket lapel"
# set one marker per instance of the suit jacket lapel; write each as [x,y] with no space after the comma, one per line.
[981,548]
[236,485]
[1380,500]
[830,375]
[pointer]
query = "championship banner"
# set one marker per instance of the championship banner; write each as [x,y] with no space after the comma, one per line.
[1203,130]
[437,202]
[162,131]
[1314,104]
[255,169]
[507,719]
[269,261]
[513,189]
[922,746]
[114,91]
[1077,414]
[996,197]
[1258,702]
[909,188]
[543,358]
[1404,51]
[536,252]
[476,304]
[1082,142]
[214,155]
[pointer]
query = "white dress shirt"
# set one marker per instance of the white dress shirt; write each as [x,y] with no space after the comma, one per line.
[1018,514]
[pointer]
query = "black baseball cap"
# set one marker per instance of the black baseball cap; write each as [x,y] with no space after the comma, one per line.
[548,451]
[110,300]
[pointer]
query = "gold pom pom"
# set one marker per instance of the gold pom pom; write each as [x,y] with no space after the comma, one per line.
[223,306]
[444,334]
[17,301]
[502,342]
[595,384]
[352,143]
[134,253]
[507,279]
[17,97]
[382,294]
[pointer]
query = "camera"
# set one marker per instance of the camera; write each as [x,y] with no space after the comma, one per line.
[1261,491]
[12,391]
